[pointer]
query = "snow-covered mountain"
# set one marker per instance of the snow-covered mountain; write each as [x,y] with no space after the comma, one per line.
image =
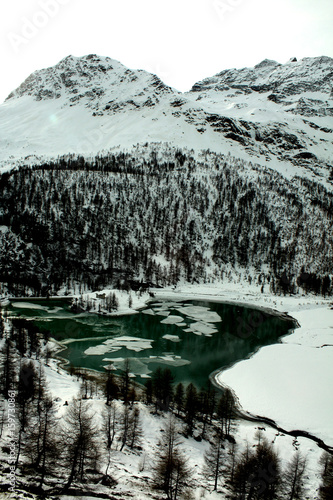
[287,109]
[274,114]
[132,180]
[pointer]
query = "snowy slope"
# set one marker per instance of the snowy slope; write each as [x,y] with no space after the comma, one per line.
[281,114]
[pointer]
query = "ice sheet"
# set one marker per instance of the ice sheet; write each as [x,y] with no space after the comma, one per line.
[200,313]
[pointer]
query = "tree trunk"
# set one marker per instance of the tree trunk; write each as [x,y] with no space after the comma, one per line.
[72,474]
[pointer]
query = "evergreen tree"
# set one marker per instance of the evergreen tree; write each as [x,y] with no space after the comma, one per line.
[232,460]
[149,391]
[326,487]
[111,388]
[125,425]
[179,398]
[2,324]
[257,474]
[80,448]
[191,407]
[225,411]
[167,388]
[8,379]
[42,443]
[2,415]
[294,477]
[26,389]
[171,473]
[110,416]
[214,459]
[204,403]
[125,381]
[135,429]
[157,381]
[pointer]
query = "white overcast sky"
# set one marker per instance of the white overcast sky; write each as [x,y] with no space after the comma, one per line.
[182,41]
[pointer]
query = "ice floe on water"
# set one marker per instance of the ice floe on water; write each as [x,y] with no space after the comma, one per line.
[94,320]
[84,339]
[166,305]
[172,320]
[200,313]
[114,361]
[29,305]
[38,307]
[109,367]
[172,360]
[202,328]
[101,349]
[41,320]
[148,311]
[136,366]
[140,366]
[115,344]
[173,338]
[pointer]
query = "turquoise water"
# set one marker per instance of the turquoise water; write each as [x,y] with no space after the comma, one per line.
[207,336]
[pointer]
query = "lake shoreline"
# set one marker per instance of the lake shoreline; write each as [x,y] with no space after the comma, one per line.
[298,308]
[166,348]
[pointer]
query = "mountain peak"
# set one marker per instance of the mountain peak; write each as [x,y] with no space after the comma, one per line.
[267,63]
[89,77]
[69,76]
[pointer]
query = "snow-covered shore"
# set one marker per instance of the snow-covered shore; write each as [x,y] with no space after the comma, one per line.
[112,302]
[291,382]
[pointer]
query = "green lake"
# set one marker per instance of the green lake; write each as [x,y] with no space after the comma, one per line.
[192,338]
